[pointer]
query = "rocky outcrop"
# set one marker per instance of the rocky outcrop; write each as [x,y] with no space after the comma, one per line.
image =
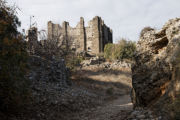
[47,77]
[154,73]
[143,114]
[98,62]
[54,95]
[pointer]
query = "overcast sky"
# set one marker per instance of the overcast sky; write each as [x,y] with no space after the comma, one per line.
[125,17]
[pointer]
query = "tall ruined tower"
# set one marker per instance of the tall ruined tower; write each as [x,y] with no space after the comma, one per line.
[32,38]
[91,39]
[98,35]
[82,35]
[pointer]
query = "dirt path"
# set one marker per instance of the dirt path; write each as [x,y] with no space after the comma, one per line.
[115,110]
[118,104]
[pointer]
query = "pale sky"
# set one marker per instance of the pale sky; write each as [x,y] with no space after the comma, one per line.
[125,17]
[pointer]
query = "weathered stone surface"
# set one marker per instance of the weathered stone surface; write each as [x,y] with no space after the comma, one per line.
[143,114]
[154,72]
[95,61]
[48,76]
[91,39]
[54,95]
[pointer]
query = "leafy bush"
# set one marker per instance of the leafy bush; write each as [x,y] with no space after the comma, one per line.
[73,60]
[123,50]
[13,56]
[108,50]
[144,30]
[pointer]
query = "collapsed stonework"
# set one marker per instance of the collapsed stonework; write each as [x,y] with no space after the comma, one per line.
[54,95]
[101,63]
[91,39]
[155,71]
[46,75]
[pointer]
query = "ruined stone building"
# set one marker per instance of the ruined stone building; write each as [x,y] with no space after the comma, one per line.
[32,38]
[91,39]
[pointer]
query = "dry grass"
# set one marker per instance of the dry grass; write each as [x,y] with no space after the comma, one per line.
[113,81]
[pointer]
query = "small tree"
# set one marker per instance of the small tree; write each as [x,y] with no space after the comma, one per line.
[126,49]
[58,45]
[13,56]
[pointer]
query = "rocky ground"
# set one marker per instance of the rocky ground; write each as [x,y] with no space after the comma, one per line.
[93,92]
[114,85]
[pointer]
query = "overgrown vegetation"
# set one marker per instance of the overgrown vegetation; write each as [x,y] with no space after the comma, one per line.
[144,30]
[73,60]
[13,65]
[123,50]
[58,47]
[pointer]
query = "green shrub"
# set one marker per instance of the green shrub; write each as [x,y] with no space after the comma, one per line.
[108,50]
[123,50]
[72,61]
[13,57]
[144,30]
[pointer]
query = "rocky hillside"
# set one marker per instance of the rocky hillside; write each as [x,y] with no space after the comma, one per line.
[154,73]
[53,95]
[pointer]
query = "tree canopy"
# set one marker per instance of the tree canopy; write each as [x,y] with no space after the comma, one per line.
[13,57]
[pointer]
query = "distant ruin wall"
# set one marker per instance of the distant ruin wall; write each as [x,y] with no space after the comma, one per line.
[91,39]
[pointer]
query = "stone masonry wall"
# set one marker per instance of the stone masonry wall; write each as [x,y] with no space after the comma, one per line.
[91,39]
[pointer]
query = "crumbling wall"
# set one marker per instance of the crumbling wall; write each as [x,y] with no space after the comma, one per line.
[91,38]
[46,75]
